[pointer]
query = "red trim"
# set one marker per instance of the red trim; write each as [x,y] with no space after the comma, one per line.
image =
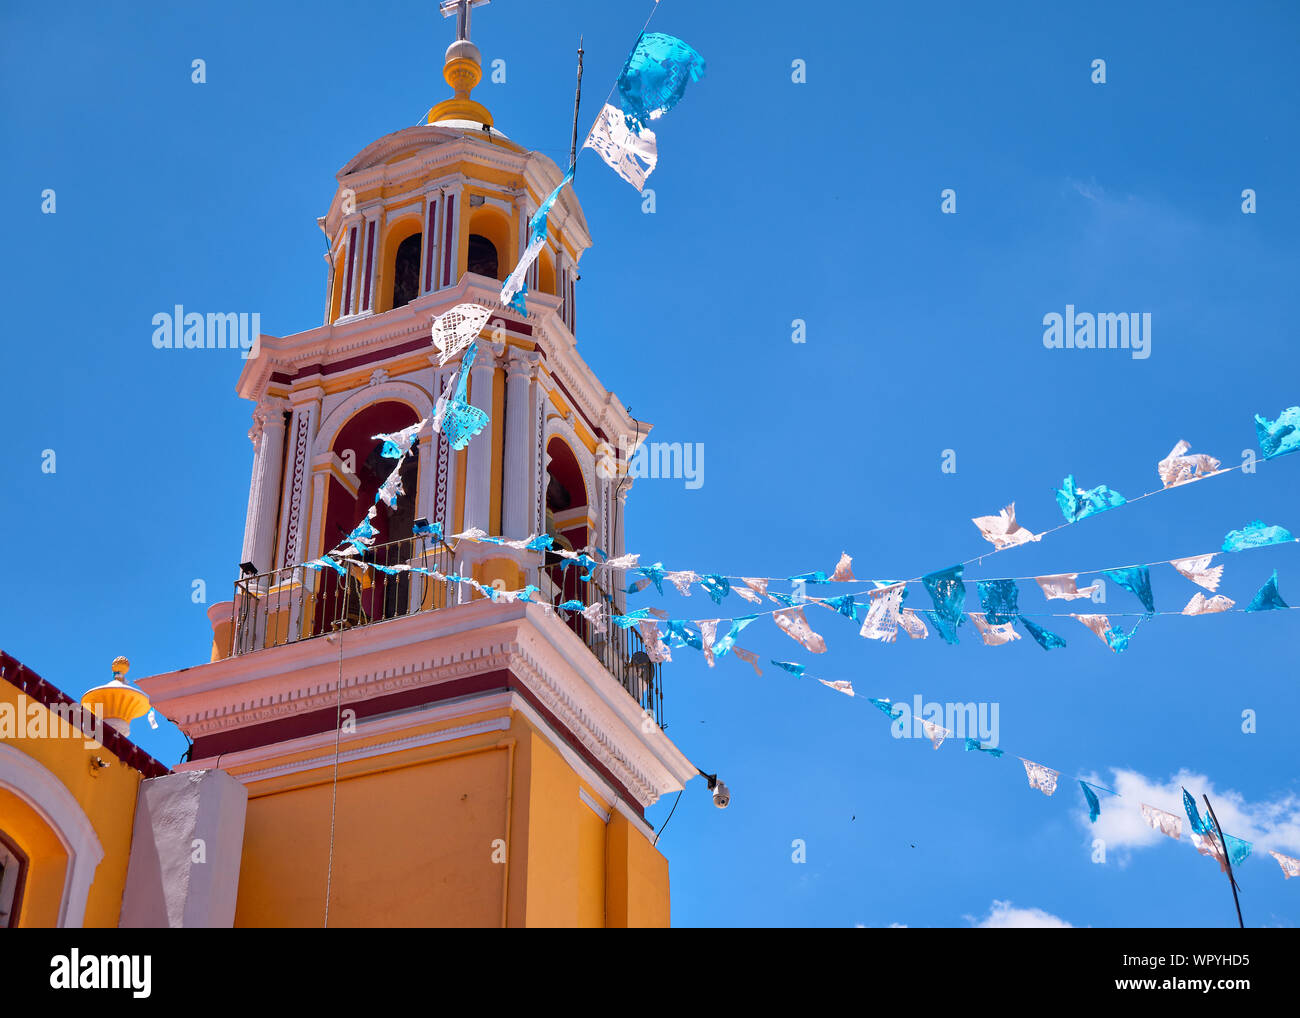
[324,720]
[446,247]
[352,250]
[27,681]
[428,267]
[370,260]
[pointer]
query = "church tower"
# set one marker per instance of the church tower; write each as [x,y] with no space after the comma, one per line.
[416,753]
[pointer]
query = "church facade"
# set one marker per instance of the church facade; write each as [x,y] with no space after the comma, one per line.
[383,748]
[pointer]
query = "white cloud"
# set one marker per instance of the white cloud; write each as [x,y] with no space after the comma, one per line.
[1271,824]
[1003,915]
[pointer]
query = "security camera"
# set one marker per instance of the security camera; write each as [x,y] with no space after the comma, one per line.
[721,794]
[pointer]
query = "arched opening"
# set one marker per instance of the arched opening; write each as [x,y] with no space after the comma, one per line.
[546,272]
[482,258]
[566,521]
[406,270]
[13,879]
[399,266]
[369,595]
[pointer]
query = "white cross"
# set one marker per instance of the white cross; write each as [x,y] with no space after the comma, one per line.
[460,8]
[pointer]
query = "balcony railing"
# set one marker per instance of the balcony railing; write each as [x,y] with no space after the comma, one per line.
[294,604]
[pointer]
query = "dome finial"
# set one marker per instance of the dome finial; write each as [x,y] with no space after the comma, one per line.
[462,69]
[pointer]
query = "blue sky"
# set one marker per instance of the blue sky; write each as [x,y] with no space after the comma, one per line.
[775,201]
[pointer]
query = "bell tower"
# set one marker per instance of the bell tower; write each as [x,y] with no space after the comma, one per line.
[416,753]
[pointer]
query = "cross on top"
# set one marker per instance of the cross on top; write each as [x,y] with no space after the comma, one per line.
[460,8]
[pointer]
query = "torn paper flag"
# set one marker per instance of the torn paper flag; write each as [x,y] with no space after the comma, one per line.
[1045,638]
[655,648]
[794,625]
[1179,467]
[1290,867]
[398,443]
[682,580]
[708,633]
[1101,625]
[456,417]
[537,234]
[1267,598]
[839,684]
[655,76]
[1279,436]
[994,635]
[1061,587]
[750,657]
[1078,503]
[1199,571]
[1040,777]
[843,569]
[1003,530]
[935,733]
[1165,823]
[1202,605]
[1000,600]
[1255,535]
[456,329]
[910,622]
[882,619]
[1137,581]
[630,154]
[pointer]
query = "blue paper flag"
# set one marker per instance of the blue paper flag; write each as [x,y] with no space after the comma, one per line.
[320,563]
[1137,581]
[999,599]
[1044,637]
[572,606]
[460,420]
[1094,804]
[1267,597]
[973,744]
[727,642]
[1078,503]
[434,530]
[1255,535]
[949,596]
[655,77]
[716,586]
[362,536]
[845,605]
[818,576]
[886,707]
[794,669]
[655,574]
[542,542]
[1279,436]
[632,618]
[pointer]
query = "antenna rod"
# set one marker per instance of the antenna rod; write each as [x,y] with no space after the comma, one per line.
[1226,861]
[577,99]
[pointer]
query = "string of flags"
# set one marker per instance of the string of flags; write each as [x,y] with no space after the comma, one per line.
[1206,838]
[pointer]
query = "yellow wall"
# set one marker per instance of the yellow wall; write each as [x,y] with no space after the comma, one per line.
[108,799]
[482,831]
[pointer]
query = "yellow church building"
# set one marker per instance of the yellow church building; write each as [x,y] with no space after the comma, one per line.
[374,749]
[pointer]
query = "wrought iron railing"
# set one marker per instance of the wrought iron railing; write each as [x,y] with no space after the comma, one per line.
[296,603]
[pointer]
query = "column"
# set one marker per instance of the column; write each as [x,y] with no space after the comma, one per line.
[478,480]
[429,270]
[517,472]
[369,262]
[295,513]
[267,435]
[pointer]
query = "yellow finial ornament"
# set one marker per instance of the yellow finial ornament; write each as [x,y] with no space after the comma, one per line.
[462,69]
[118,702]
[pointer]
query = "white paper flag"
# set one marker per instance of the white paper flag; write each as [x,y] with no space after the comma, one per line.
[911,624]
[882,619]
[793,623]
[1003,530]
[1165,823]
[1198,570]
[1061,586]
[750,657]
[839,684]
[1179,468]
[1040,777]
[994,635]
[1290,867]
[844,570]
[631,155]
[1202,605]
[456,329]
[934,732]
